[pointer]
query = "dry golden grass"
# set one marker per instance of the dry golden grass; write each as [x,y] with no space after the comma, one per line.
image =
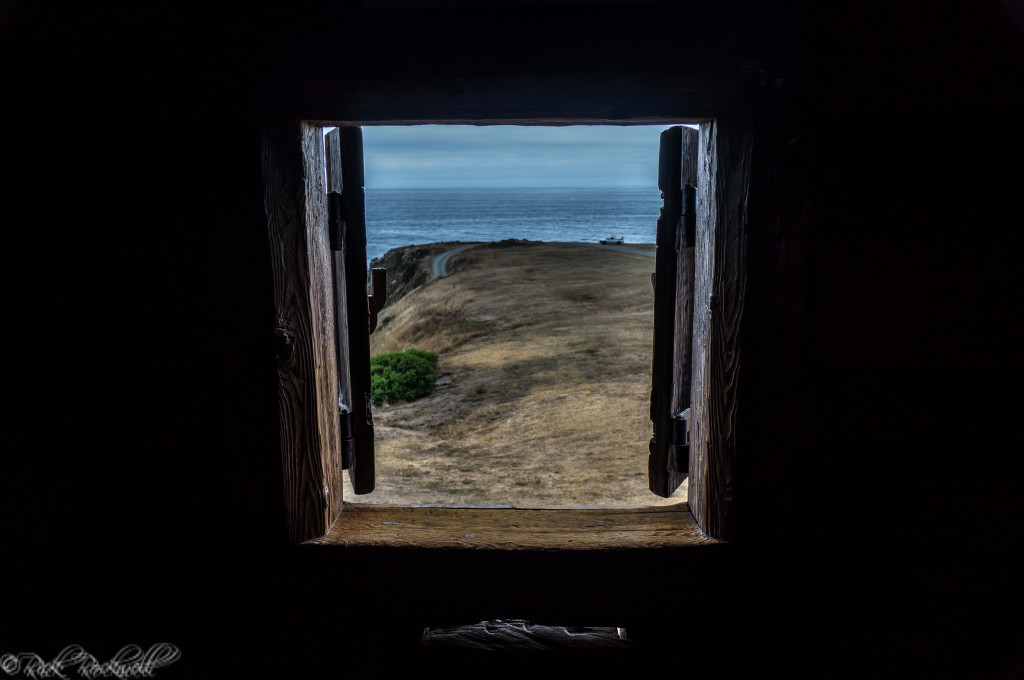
[543,381]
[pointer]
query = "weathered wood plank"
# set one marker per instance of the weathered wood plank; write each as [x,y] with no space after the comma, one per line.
[688,169]
[724,167]
[663,480]
[361,472]
[332,161]
[321,295]
[332,153]
[304,326]
[707,210]
[682,362]
[515,528]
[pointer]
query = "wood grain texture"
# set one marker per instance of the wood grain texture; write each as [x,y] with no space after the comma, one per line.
[688,169]
[683,355]
[321,295]
[491,528]
[304,326]
[662,479]
[332,161]
[707,210]
[332,154]
[682,360]
[723,186]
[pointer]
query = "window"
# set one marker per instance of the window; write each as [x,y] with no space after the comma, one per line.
[309,298]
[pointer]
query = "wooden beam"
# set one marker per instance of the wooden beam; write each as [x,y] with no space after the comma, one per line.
[666,526]
[720,258]
[640,99]
[295,202]
[524,120]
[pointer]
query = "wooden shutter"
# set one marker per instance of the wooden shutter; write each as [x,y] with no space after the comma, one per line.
[344,160]
[668,464]
[304,325]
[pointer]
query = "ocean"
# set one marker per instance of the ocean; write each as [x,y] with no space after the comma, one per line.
[401,217]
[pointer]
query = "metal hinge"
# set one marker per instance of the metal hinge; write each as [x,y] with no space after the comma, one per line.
[345,434]
[335,220]
[680,428]
[378,294]
[687,233]
[679,452]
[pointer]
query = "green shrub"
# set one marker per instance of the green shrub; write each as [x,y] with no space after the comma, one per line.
[423,354]
[404,375]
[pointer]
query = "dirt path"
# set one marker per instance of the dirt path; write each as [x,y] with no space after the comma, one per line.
[439,265]
[544,380]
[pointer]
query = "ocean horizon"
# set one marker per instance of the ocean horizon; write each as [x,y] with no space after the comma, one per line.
[401,217]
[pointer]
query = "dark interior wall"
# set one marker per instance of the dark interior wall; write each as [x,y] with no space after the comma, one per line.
[877,497]
[137,272]
[340,60]
[879,363]
[884,278]
[140,446]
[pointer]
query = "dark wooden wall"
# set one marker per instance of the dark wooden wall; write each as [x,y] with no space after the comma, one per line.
[877,500]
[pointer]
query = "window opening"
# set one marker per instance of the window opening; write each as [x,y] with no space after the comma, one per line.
[523,258]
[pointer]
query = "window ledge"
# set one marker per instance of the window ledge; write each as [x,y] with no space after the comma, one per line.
[515,528]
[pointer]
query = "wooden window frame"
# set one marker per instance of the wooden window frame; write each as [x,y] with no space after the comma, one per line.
[297,222]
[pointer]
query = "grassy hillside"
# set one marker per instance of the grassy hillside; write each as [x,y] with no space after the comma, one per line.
[543,380]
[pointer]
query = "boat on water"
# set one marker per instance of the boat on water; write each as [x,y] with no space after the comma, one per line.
[611,241]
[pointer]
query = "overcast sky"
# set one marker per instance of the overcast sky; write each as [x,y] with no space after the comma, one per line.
[458,156]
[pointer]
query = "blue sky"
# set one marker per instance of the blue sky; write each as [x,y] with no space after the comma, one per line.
[464,156]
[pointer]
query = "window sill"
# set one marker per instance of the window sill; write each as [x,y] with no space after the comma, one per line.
[515,528]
